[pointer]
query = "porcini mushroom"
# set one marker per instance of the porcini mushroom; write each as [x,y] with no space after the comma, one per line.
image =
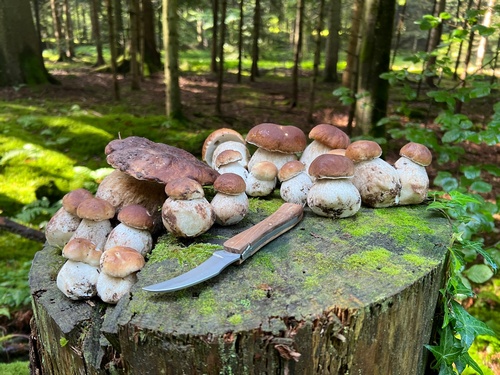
[230,203]
[332,193]
[186,212]
[277,144]
[261,180]
[77,280]
[82,250]
[377,181]
[215,144]
[412,173]
[134,230]
[295,182]
[228,161]
[325,138]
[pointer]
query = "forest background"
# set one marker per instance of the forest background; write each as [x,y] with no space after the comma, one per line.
[173,72]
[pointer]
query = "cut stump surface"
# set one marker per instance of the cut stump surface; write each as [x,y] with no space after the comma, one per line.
[356,295]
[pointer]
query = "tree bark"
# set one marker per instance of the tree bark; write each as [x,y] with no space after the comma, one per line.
[351,70]
[317,60]
[118,20]
[434,40]
[333,42]
[171,44]
[134,13]
[21,60]
[399,28]
[240,42]
[96,31]
[299,25]
[112,48]
[483,42]
[349,296]
[152,57]
[215,43]
[68,23]
[56,21]
[254,71]
[22,230]
[220,68]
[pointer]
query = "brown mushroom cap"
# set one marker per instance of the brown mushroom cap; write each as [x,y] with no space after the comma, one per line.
[287,139]
[290,169]
[331,166]
[330,136]
[230,183]
[184,189]
[363,150]
[150,161]
[416,152]
[72,200]
[121,261]
[82,250]
[95,209]
[216,138]
[136,216]
[264,170]
[226,157]
[337,151]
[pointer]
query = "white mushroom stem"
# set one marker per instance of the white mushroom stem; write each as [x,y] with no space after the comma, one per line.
[187,218]
[232,145]
[295,189]
[77,280]
[277,158]
[235,168]
[137,239]
[414,181]
[94,231]
[312,151]
[111,289]
[61,228]
[259,188]
[335,198]
[229,209]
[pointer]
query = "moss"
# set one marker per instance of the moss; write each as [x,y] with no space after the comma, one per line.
[418,260]
[206,303]
[235,319]
[266,205]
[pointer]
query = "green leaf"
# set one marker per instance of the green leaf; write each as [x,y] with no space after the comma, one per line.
[481,187]
[451,135]
[446,181]
[479,273]
[471,172]
[448,350]
[467,326]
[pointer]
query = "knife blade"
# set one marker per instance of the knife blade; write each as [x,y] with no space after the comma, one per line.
[236,249]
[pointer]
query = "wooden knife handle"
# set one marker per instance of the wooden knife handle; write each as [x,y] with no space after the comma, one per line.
[252,239]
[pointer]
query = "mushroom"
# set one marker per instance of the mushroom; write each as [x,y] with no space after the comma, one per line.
[230,203]
[325,138]
[82,250]
[277,144]
[333,194]
[295,182]
[95,225]
[186,212]
[63,224]
[221,140]
[77,280]
[228,161]
[119,266]
[261,180]
[377,181]
[411,169]
[134,230]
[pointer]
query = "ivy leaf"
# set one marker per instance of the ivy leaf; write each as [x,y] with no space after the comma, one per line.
[479,273]
[448,350]
[466,359]
[467,326]
[457,287]
[491,257]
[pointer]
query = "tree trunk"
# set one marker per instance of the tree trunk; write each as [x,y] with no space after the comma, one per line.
[349,296]
[152,57]
[400,26]
[118,21]
[112,47]
[220,68]
[56,21]
[85,34]
[481,48]
[317,60]
[70,45]
[299,25]
[434,40]
[373,60]
[96,31]
[173,105]
[254,71]
[351,69]
[215,45]
[134,44]
[240,42]
[21,59]
[333,42]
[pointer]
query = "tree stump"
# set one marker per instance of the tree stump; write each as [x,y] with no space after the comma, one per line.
[350,296]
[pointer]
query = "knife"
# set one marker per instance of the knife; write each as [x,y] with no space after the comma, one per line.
[236,249]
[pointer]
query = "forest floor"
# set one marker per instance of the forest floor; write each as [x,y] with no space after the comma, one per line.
[243,105]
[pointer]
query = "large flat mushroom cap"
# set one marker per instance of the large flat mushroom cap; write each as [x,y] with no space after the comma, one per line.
[150,161]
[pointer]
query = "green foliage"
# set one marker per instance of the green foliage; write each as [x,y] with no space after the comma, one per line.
[14,289]
[15,368]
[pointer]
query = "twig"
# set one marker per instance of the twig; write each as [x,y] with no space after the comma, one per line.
[22,230]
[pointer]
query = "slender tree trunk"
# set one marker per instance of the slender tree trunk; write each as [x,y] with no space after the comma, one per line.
[36,10]
[96,31]
[171,44]
[240,42]
[85,34]
[434,40]
[152,56]
[254,72]
[118,21]
[400,27]
[134,39]
[220,72]
[374,59]
[299,24]
[78,25]
[481,48]
[200,34]
[215,27]
[112,48]
[494,63]
[70,45]
[56,21]
[352,59]
[333,42]
[317,60]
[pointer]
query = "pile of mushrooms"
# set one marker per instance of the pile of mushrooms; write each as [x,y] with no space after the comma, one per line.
[156,187]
